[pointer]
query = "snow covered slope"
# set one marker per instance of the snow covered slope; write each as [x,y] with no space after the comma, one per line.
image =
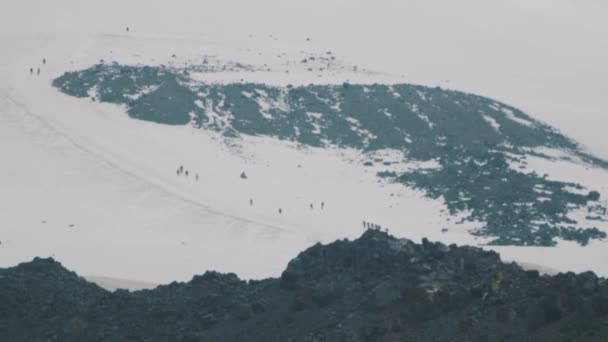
[84,182]
[392,126]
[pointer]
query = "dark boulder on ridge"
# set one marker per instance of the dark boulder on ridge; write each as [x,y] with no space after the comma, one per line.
[376,288]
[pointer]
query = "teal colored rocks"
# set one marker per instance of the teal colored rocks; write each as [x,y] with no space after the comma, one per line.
[152,94]
[170,103]
[517,208]
[472,138]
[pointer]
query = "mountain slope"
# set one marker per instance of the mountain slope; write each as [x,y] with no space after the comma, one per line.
[473,139]
[86,184]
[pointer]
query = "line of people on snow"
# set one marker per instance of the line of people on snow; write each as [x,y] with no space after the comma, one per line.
[281,209]
[369,225]
[183,171]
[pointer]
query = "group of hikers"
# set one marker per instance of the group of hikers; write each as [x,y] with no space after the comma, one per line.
[369,225]
[183,171]
[38,69]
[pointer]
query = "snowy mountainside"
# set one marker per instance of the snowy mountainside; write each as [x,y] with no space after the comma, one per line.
[472,138]
[98,190]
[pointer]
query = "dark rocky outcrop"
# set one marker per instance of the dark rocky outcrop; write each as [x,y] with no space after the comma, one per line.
[376,288]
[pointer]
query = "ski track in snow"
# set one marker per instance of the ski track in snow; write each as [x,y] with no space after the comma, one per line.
[140,177]
[21,242]
[69,161]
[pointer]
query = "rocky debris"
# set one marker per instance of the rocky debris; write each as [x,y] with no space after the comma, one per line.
[376,288]
[593,196]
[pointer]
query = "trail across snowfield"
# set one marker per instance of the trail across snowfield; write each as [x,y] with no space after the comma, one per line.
[116,207]
[84,183]
[146,156]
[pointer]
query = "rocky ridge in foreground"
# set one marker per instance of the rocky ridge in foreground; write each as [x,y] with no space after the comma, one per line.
[376,288]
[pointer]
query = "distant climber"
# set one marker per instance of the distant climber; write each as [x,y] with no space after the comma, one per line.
[127,28]
[196,177]
[280,211]
[44,61]
[243,175]
[31,71]
[251,202]
[364,225]
[322,205]
[311,206]
[181,168]
[186,173]
[38,71]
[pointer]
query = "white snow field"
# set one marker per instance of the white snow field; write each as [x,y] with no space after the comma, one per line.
[97,190]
